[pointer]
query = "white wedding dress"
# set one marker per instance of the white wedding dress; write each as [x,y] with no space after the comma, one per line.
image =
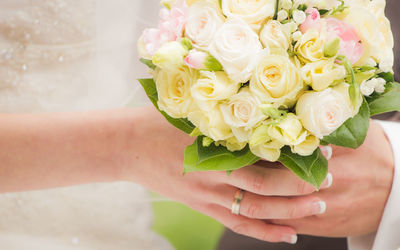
[73,55]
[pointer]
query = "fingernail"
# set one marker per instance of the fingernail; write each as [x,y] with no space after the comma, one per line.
[328,181]
[327,152]
[318,207]
[291,239]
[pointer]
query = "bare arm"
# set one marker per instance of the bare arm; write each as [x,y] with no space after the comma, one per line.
[40,151]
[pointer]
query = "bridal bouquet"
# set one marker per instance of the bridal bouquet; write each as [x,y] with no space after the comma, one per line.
[270,79]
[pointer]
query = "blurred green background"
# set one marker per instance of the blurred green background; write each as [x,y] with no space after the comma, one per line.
[185,228]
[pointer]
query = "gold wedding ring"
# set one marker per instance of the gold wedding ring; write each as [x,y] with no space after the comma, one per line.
[236,202]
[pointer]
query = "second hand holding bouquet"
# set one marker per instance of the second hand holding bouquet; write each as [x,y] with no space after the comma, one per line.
[270,79]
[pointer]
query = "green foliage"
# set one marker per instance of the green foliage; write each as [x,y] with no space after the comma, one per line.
[387,102]
[150,88]
[312,169]
[148,63]
[353,132]
[216,158]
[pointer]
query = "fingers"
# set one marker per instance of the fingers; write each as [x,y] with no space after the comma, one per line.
[271,181]
[264,207]
[253,228]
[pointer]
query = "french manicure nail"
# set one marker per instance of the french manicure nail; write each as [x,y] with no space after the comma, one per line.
[291,239]
[318,207]
[327,152]
[328,181]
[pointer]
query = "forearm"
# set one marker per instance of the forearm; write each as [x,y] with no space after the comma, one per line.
[40,151]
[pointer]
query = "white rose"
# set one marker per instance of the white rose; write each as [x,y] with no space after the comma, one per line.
[237,47]
[273,35]
[375,33]
[173,89]
[289,131]
[310,47]
[203,22]
[170,56]
[321,74]
[276,80]
[323,112]
[242,113]
[211,124]
[252,12]
[212,87]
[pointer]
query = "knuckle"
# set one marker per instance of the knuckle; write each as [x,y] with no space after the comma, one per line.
[302,187]
[253,210]
[256,182]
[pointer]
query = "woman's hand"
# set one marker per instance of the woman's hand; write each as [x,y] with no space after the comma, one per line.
[157,163]
[362,182]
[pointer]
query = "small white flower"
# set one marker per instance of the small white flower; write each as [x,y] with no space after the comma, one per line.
[286,4]
[368,87]
[386,66]
[290,27]
[282,15]
[371,62]
[299,16]
[380,87]
[296,35]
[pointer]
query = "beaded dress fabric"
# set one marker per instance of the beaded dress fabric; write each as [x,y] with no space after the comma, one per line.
[74,55]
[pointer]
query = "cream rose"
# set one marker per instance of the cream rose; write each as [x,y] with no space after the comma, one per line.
[232,144]
[241,112]
[237,47]
[276,80]
[170,56]
[253,13]
[289,131]
[262,145]
[212,87]
[310,47]
[323,112]
[274,36]
[203,22]
[173,89]
[211,124]
[307,147]
[321,74]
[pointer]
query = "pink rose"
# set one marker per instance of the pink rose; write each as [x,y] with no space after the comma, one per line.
[170,27]
[350,44]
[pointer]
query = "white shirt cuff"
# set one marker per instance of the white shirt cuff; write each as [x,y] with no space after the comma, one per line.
[388,235]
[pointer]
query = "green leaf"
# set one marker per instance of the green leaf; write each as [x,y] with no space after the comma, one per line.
[150,88]
[312,169]
[302,7]
[354,88]
[387,76]
[353,132]
[387,102]
[216,158]
[148,63]
[323,12]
